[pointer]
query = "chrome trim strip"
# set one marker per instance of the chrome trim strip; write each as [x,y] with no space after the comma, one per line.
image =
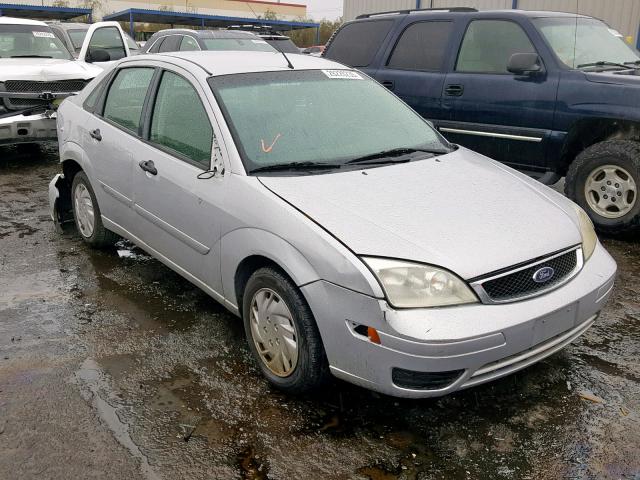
[478,133]
[486,299]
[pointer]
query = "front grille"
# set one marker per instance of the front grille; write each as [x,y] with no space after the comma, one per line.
[28,86]
[521,283]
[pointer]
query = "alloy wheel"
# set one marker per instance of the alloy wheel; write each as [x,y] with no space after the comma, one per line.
[85,214]
[610,191]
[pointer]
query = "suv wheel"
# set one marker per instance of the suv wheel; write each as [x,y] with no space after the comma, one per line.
[87,214]
[605,180]
[282,333]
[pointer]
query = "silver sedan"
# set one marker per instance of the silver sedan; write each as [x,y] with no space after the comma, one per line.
[348,235]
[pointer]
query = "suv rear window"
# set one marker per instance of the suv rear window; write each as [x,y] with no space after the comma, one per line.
[357,43]
[422,47]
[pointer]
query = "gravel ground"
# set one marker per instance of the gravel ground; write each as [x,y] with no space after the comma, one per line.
[112,366]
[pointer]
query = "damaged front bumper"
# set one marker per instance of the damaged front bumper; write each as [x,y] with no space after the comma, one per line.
[28,126]
[60,201]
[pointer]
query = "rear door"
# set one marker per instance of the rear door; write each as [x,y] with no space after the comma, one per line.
[104,44]
[504,116]
[414,66]
[359,44]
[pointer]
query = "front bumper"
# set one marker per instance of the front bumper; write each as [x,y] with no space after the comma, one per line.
[28,127]
[481,342]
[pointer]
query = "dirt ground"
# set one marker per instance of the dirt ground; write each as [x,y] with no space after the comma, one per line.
[114,367]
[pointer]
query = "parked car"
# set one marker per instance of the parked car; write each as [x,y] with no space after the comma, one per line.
[277,40]
[72,35]
[315,50]
[546,92]
[372,249]
[174,40]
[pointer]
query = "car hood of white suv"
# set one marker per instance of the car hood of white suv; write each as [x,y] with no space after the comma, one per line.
[46,69]
[460,211]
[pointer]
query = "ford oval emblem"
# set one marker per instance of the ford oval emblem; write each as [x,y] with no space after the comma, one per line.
[543,275]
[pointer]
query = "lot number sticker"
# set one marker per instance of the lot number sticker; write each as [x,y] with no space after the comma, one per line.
[43,34]
[343,74]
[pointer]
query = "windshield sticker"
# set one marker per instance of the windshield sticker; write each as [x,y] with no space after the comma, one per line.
[343,74]
[259,41]
[615,33]
[43,34]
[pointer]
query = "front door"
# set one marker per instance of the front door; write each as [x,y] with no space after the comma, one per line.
[178,213]
[501,115]
[104,44]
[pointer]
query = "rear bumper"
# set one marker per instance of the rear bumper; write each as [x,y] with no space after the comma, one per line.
[469,344]
[29,128]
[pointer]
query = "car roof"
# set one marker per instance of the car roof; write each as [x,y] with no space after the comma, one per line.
[70,25]
[218,63]
[468,12]
[21,21]
[232,34]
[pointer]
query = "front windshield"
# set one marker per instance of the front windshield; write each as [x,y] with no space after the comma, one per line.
[30,41]
[238,44]
[77,37]
[319,116]
[582,41]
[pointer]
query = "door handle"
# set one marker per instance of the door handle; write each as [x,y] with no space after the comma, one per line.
[96,134]
[454,90]
[389,84]
[148,167]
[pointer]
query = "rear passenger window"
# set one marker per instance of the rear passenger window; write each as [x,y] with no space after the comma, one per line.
[179,122]
[156,46]
[189,43]
[421,47]
[356,44]
[126,97]
[488,45]
[171,43]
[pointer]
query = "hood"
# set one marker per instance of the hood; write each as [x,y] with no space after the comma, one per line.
[46,69]
[460,211]
[616,77]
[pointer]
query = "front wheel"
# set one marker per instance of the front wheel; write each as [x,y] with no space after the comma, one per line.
[282,333]
[604,180]
[86,213]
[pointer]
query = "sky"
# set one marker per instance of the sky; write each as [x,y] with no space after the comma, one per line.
[319,9]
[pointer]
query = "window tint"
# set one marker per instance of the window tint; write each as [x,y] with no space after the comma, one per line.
[422,47]
[488,45]
[171,43]
[180,122]
[189,43]
[126,97]
[156,46]
[357,43]
[108,39]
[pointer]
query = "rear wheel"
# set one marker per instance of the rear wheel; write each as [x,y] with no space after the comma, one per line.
[605,180]
[86,213]
[282,333]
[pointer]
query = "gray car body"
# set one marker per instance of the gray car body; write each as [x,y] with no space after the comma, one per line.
[464,212]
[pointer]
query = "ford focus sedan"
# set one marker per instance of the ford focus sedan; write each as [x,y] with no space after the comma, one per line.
[349,236]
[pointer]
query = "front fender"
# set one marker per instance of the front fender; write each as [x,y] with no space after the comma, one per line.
[246,242]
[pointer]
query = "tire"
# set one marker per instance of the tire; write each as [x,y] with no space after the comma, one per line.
[622,157]
[311,369]
[98,236]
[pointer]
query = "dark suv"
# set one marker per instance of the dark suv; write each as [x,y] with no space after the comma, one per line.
[546,92]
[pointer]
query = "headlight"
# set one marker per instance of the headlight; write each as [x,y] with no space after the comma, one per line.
[588,233]
[413,285]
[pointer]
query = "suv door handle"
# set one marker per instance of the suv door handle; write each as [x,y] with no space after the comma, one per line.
[389,84]
[454,90]
[148,167]
[96,134]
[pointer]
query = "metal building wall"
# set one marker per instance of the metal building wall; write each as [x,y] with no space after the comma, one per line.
[623,15]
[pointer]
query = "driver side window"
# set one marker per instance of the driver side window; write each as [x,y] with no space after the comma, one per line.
[107,39]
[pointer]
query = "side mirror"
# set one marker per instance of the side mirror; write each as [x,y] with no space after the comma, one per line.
[98,55]
[525,64]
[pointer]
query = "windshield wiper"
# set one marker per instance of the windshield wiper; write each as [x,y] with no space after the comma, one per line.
[603,64]
[31,56]
[388,156]
[295,166]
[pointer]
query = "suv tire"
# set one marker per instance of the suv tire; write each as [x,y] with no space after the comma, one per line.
[86,214]
[607,162]
[282,333]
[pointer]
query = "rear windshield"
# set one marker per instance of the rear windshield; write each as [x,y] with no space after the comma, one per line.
[283,45]
[240,44]
[30,41]
[327,116]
